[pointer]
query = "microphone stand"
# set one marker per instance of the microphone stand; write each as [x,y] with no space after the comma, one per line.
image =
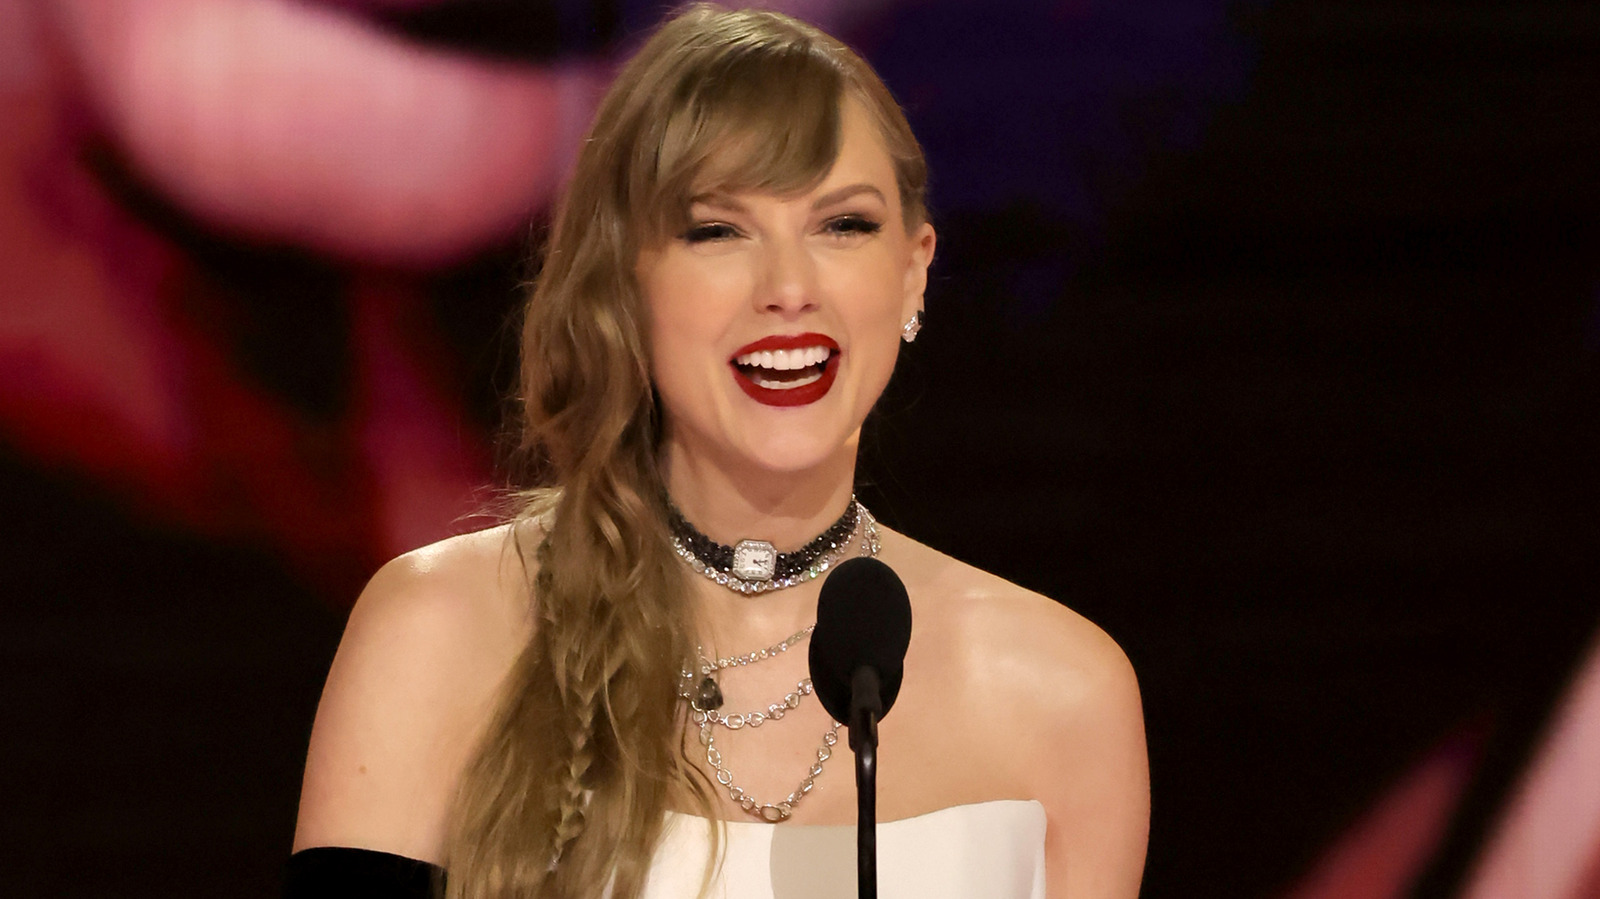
[866,706]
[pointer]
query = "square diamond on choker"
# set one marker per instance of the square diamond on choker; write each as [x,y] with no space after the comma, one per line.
[756,566]
[754,560]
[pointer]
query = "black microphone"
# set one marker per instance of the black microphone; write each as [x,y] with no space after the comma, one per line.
[863,621]
[858,655]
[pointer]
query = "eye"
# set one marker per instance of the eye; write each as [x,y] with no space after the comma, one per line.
[705,232]
[851,225]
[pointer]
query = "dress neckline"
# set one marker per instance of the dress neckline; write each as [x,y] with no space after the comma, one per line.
[913,819]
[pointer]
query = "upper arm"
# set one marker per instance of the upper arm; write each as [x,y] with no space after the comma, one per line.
[410,689]
[1087,762]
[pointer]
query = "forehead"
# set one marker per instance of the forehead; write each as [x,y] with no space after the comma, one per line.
[863,158]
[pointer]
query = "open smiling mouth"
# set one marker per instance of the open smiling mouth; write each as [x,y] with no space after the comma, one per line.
[787,371]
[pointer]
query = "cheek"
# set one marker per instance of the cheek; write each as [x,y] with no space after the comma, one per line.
[665,306]
[882,321]
[682,342]
[685,296]
[667,349]
[885,298]
[875,326]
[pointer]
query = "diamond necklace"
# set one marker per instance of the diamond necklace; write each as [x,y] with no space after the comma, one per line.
[708,694]
[770,812]
[750,658]
[705,715]
[755,566]
[773,712]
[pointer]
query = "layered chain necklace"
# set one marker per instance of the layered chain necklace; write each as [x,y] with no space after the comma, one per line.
[754,566]
[705,710]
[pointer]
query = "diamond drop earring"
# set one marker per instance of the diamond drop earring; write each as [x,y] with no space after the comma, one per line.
[908,332]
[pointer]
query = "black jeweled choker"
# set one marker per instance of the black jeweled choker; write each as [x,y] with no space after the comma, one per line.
[755,566]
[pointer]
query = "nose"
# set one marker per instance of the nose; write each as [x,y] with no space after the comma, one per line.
[788,283]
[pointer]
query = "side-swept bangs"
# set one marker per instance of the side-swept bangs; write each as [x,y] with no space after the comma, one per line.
[756,115]
[720,101]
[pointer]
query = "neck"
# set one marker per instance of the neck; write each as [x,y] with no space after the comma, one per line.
[729,503]
[786,509]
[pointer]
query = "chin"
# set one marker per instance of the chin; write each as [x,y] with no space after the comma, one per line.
[799,449]
[794,460]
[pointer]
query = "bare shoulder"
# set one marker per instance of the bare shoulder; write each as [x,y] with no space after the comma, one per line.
[1011,639]
[1056,706]
[410,689]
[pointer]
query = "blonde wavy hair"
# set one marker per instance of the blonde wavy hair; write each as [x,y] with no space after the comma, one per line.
[567,793]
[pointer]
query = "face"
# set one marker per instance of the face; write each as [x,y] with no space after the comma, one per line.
[776,320]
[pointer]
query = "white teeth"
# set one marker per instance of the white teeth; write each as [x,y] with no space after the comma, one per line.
[784,360]
[774,384]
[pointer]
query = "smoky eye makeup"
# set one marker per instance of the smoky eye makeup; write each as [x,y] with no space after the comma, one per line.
[852,223]
[706,232]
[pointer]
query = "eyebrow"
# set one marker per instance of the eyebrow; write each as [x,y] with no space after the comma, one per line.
[846,192]
[718,199]
[839,195]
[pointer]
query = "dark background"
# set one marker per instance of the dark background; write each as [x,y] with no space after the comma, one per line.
[1262,335]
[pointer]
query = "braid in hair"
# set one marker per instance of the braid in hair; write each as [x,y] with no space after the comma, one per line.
[580,756]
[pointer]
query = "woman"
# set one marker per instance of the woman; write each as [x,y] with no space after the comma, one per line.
[741,252]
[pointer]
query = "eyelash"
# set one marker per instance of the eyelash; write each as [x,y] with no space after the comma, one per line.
[708,231]
[840,226]
[853,224]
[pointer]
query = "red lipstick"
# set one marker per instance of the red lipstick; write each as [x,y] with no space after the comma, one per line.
[793,396]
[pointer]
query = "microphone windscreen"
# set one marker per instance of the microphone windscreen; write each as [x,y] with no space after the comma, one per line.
[863,619]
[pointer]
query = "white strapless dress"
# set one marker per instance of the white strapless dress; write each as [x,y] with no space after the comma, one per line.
[987,850]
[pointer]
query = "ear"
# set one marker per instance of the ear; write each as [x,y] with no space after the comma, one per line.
[922,240]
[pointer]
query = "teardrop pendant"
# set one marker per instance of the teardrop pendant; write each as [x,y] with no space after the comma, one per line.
[708,698]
